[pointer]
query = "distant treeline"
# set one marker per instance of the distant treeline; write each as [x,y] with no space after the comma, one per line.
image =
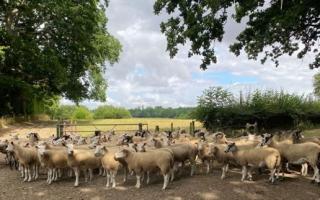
[160,112]
[112,112]
[82,112]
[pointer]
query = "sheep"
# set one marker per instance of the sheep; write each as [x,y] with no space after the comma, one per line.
[82,159]
[257,157]
[297,153]
[182,153]
[28,159]
[159,142]
[204,154]
[219,154]
[33,138]
[142,162]
[108,163]
[299,138]
[54,159]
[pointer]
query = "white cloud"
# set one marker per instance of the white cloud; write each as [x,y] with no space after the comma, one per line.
[147,76]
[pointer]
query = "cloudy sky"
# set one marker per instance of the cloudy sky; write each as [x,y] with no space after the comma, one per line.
[146,76]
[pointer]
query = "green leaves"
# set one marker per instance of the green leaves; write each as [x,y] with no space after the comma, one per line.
[270,32]
[219,108]
[57,48]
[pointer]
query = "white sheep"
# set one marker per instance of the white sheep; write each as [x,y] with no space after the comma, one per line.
[28,159]
[297,153]
[82,159]
[256,157]
[143,162]
[55,159]
[109,163]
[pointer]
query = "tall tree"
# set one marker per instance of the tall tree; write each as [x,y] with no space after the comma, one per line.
[274,27]
[56,47]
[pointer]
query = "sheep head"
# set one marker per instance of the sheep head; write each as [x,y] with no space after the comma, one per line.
[121,154]
[100,150]
[231,148]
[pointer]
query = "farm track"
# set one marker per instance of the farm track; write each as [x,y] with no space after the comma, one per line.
[200,186]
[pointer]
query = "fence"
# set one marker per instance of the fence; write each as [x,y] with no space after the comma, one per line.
[65,127]
[73,127]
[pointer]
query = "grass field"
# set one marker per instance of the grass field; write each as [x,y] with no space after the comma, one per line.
[163,123]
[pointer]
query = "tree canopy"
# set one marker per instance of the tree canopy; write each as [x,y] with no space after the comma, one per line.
[49,48]
[274,27]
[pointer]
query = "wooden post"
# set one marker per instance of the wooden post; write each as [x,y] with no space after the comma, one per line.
[157,129]
[58,130]
[171,126]
[140,127]
[192,128]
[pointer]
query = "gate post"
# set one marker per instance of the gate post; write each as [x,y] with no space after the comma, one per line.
[140,127]
[171,126]
[157,129]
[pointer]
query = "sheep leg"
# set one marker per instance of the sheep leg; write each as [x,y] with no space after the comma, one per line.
[125,175]
[165,181]
[56,171]
[227,168]
[250,174]
[148,177]
[193,168]
[21,169]
[224,170]
[104,172]
[49,179]
[108,178]
[36,176]
[59,173]
[304,169]
[90,175]
[77,174]
[208,166]
[172,174]
[25,174]
[138,184]
[244,173]
[113,178]
[29,173]
[70,172]
[85,175]
[273,171]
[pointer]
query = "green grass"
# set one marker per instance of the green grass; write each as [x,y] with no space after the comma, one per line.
[312,132]
[163,123]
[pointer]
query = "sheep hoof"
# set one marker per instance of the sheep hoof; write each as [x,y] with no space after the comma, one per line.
[138,186]
[312,181]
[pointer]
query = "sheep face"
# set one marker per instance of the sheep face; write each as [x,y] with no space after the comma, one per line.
[121,154]
[231,148]
[41,149]
[266,139]
[33,137]
[100,151]
[10,147]
[141,147]
[69,149]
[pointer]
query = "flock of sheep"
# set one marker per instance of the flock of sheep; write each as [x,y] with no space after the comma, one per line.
[146,154]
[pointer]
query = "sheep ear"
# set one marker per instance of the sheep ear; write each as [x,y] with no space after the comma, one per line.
[12,143]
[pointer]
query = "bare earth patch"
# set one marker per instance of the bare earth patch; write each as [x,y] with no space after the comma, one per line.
[200,186]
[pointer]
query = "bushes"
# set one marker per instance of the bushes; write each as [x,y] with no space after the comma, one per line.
[81,112]
[160,112]
[271,109]
[110,112]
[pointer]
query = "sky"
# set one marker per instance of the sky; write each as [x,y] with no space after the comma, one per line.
[146,76]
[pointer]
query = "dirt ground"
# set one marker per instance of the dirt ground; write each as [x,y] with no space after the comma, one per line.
[201,186]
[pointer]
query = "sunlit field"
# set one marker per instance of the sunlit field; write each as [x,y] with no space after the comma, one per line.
[87,127]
